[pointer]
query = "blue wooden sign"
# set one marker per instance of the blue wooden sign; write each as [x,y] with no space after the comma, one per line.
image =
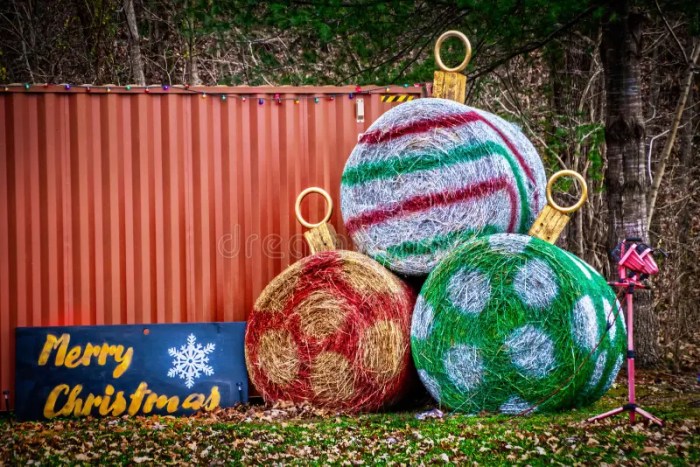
[78,371]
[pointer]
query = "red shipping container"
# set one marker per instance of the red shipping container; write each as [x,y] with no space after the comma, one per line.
[162,207]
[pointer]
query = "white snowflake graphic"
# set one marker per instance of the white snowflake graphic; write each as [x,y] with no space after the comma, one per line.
[191,361]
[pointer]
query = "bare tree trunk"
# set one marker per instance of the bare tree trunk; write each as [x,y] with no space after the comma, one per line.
[626,179]
[134,45]
[192,69]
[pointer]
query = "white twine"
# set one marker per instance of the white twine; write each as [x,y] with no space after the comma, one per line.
[494,209]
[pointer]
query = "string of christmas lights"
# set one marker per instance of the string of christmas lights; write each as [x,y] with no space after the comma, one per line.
[224,95]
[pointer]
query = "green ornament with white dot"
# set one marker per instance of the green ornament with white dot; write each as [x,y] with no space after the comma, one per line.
[510,323]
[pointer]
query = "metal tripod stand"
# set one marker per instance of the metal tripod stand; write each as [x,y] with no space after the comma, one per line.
[635,263]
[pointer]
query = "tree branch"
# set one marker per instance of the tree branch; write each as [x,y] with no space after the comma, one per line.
[536,45]
[672,32]
[680,108]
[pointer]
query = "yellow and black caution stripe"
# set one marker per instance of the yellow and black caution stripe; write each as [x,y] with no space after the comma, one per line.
[397,97]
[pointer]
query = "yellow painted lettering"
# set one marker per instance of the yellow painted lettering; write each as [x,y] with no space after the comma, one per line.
[73,358]
[213,400]
[76,405]
[90,351]
[73,400]
[159,402]
[123,359]
[53,343]
[109,391]
[193,401]
[102,403]
[109,351]
[173,403]
[137,398]
[67,408]
[104,353]
[50,405]
[76,357]
[90,401]
[118,406]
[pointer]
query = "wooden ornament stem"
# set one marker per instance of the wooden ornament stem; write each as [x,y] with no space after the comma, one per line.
[452,86]
[551,221]
[321,236]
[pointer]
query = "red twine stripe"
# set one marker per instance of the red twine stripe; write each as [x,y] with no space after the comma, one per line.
[324,272]
[423,202]
[420,126]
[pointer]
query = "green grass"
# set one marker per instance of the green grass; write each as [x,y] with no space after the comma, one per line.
[256,435]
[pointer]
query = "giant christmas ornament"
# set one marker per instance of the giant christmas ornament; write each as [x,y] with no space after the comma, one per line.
[333,330]
[511,323]
[429,174]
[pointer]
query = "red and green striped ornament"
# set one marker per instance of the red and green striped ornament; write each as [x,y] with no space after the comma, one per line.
[432,173]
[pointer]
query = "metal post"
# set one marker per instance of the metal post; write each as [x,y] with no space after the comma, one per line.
[630,351]
[629,283]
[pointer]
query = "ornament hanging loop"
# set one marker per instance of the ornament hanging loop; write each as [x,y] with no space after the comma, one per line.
[553,218]
[467,46]
[321,236]
[304,194]
[449,83]
[584,191]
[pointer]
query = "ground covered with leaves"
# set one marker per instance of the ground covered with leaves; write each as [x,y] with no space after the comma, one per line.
[293,434]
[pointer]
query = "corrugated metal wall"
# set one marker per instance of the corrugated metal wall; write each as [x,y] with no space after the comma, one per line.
[126,207]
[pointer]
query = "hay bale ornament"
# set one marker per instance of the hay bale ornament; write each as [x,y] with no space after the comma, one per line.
[512,323]
[431,173]
[333,329]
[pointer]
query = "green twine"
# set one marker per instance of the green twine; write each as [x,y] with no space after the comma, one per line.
[500,375]
[408,164]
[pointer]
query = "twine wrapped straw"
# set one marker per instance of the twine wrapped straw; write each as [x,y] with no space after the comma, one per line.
[431,173]
[507,319]
[332,330]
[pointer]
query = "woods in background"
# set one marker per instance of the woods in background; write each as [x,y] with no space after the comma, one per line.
[609,89]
